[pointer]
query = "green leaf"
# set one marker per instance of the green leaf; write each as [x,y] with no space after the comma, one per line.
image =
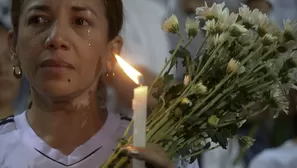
[211,134]
[222,140]
[181,53]
[168,78]
[207,146]
[193,159]
[175,89]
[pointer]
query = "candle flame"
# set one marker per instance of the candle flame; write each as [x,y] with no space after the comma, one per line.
[129,70]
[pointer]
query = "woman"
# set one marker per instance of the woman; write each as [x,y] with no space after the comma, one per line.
[62,46]
[14,92]
[9,86]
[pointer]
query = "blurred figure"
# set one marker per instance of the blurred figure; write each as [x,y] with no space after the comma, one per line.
[221,158]
[263,5]
[9,85]
[284,156]
[14,92]
[145,47]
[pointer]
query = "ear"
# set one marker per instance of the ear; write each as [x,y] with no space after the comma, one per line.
[11,42]
[115,48]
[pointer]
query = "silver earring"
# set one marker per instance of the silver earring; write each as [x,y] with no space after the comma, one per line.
[17,70]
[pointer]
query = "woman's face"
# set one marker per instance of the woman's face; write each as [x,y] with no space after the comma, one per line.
[9,85]
[63,45]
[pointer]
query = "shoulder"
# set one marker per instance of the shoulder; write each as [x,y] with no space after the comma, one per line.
[7,125]
[270,157]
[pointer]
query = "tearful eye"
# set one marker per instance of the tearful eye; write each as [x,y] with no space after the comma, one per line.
[37,20]
[81,22]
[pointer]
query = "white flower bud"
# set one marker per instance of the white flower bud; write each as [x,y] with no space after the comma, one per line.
[235,66]
[192,26]
[240,123]
[186,101]
[200,88]
[187,80]
[237,29]
[171,25]
[213,121]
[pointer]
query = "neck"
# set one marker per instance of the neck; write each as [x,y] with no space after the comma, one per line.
[65,125]
[5,110]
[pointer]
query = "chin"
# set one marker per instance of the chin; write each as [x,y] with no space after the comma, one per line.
[57,89]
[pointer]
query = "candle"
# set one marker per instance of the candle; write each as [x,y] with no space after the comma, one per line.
[139,106]
[139,118]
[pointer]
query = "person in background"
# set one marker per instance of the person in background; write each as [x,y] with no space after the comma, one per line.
[284,156]
[145,47]
[9,85]
[264,6]
[14,92]
[221,158]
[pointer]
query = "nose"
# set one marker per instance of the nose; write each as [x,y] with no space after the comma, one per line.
[56,38]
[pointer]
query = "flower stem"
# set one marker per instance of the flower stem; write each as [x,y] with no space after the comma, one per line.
[166,64]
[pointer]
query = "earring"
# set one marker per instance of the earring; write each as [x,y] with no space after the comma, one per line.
[109,74]
[17,71]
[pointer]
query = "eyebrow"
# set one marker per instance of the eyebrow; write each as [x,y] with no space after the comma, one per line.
[83,9]
[74,8]
[39,7]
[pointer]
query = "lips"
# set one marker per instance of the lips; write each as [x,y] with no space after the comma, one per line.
[51,63]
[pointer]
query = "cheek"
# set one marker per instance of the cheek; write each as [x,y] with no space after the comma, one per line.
[29,47]
[94,55]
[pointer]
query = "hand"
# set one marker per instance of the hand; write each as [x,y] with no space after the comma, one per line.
[153,155]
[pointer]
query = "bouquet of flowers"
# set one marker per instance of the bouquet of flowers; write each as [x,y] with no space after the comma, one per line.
[244,66]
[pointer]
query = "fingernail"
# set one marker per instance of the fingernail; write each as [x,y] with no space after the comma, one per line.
[133,152]
[129,151]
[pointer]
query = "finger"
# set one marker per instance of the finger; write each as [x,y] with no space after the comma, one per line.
[152,155]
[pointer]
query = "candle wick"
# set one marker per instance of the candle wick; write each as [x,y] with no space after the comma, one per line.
[141,80]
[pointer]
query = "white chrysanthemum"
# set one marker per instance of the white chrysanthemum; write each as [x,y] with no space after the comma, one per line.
[192,27]
[290,29]
[226,20]
[245,14]
[220,39]
[171,25]
[269,39]
[235,66]
[187,80]
[279,97]
[212,27]
[248,38]
[212,12]
[237,29]
[262,22]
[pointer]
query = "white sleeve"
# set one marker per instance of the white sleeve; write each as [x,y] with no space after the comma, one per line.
[145,44]
[186,164]
[193,165]
[263,161]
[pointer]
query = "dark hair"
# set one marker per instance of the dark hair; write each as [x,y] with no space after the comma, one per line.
[113,10]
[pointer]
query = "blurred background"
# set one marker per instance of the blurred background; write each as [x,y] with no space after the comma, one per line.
[146,47]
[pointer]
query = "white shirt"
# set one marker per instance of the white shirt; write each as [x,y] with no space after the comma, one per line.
[145,43]
[284,156]
[20,147]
